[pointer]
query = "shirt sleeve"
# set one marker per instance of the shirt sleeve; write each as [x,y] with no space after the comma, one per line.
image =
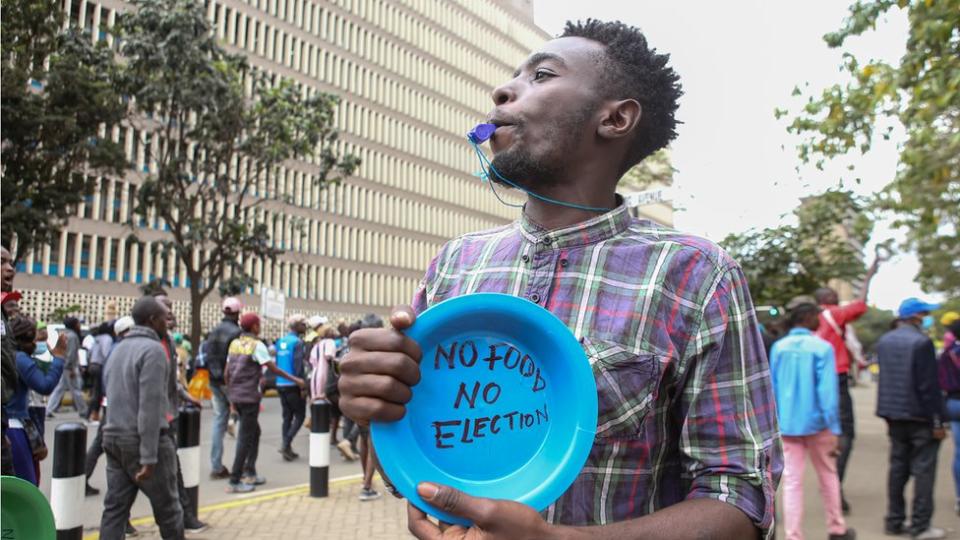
[730,445]
[261,354]
[850,312]
[36,378]
[152,391]
[928,385]
[828,388]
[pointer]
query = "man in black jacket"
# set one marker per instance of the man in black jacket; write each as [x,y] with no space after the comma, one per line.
[218,342]
[909,400]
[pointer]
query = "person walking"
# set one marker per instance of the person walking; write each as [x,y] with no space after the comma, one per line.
[215,359]
[141,455]
[909,399]
[803,370]
[70,380]
[949,375]
[103,342]
[26,443]
[246,359]
[833,329]
[291,356]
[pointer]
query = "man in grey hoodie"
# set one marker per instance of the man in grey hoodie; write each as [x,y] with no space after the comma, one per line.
[140,452]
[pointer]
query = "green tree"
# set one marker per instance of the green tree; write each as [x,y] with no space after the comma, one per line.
[790,260]
[58,103]
[923,94]
[873,324]
[655,169]
[217,131]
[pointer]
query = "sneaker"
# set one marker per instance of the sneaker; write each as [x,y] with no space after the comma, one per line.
[240,487]
[288,454]
[849,534]
[193,525]
[131,530]
[346,451]
[932,533]
[894,531]
[91,491]
[220,474]
[254,480]
[367,494]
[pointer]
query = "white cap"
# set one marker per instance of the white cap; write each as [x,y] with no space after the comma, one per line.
[123,324]
[294,319]
[317,320]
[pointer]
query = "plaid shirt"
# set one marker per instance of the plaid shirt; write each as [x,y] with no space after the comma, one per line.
[686,407]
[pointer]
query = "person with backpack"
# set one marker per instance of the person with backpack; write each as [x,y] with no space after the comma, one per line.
[215,359]
[834,319]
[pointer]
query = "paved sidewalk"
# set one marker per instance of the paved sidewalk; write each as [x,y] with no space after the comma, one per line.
[292,513]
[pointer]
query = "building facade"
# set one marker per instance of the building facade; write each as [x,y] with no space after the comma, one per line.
[413,76]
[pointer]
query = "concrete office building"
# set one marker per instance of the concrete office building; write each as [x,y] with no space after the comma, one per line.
[413,77]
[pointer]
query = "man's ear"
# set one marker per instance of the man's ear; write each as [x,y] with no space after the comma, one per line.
[619,118]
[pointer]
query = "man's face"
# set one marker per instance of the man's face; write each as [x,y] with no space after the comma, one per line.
[300,327]
[171,317]
[8,272]
[160,322]
[545,112]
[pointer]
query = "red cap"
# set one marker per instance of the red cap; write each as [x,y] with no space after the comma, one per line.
[247,320]
[10,296]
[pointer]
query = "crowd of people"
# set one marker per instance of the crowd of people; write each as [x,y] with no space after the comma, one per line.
[140,369]
[810,369]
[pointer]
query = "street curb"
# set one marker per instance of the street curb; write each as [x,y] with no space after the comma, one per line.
[248,499]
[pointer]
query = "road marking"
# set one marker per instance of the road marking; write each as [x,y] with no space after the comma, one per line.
[248,499]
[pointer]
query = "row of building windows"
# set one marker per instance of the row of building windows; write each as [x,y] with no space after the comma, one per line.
[84,256]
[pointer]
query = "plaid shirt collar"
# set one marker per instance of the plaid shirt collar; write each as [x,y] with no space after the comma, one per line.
[597,229]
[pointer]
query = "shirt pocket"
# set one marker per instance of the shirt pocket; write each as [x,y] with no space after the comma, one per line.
[627,387]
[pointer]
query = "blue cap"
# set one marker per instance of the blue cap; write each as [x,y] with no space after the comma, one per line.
[911,306]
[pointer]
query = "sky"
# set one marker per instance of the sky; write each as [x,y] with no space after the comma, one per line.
[738,61]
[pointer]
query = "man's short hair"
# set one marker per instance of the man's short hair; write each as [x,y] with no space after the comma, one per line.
[800,312]
[824,294]
[633,70]
[145,309]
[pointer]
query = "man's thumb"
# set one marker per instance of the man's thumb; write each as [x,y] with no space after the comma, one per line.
[402,317]
[454,501]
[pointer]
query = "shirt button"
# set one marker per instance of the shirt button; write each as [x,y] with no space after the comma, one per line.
[547,240]
[563,263]
[535,298]
[525,258]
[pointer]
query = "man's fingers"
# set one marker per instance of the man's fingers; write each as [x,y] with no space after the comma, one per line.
[402,317]
[384,340]
[371,408]
[395,364]
[458,503]
[420,525]
[383,387]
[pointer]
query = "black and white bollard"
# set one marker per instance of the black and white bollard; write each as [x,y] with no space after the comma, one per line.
[319,448]
[68,482]
[188,451]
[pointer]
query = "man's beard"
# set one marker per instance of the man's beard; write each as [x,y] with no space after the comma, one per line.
[534,173]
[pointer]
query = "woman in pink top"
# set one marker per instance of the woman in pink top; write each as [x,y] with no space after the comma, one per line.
[321,355]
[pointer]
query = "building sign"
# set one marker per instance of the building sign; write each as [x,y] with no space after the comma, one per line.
[643,198]
[273,303]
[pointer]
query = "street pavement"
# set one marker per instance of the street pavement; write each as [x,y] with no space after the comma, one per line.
[286,510]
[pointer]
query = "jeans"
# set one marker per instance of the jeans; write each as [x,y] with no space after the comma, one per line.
[294,412]
[248,442]
[70,380]
[221,413]
[953,413]
[96,447]
[846,426]
[123,462]
[913,452]
[795,450]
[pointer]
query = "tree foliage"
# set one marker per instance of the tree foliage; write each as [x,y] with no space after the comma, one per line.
[217,131]
[794,259]
[654,169]
[58,103]
[922,93]
[873,324]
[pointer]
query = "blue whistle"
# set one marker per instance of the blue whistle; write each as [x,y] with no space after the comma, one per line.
[481,133]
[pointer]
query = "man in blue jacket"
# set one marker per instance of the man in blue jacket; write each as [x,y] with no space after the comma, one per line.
[291,354]
[909,400]
[804,377]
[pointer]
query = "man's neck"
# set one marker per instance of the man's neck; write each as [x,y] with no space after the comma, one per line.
[554,216]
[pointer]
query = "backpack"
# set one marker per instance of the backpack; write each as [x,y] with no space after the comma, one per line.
[330,388]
